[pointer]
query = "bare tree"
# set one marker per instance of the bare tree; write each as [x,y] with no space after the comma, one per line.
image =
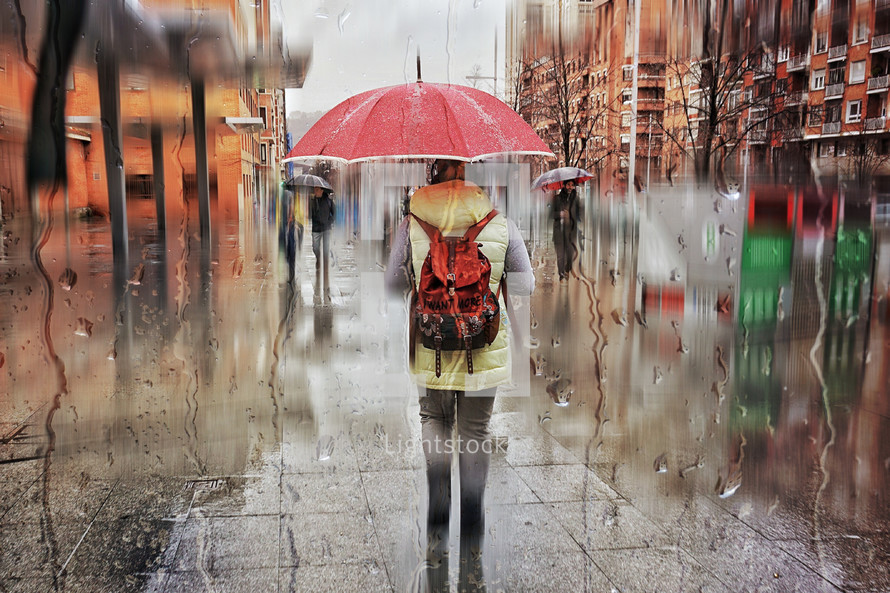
[717,103]
[568,105]
[866,156]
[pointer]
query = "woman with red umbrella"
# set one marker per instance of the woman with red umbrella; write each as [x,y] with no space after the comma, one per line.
[460,394]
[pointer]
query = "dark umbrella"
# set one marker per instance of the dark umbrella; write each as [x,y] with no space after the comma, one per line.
[307,180]
[553,179]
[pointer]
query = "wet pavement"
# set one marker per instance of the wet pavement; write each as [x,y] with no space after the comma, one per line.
[211,428]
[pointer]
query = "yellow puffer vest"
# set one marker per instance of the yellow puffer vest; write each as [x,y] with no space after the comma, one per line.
[453,207]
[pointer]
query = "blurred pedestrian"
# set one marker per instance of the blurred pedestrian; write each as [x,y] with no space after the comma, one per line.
[293,230]
[322,213]
[565,211]
[452,392]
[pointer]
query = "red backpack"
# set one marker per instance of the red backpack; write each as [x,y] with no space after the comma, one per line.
[454,306]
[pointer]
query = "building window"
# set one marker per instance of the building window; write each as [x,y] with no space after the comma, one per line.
[857,72]
[841,149]
[854,111]
[783,53]
[836,74]
[626,95]
[627,73]
[821,45]
[263,114]
[860,30]
[826,149]
[263,153]
[815,115]
[818,81]
[833,112]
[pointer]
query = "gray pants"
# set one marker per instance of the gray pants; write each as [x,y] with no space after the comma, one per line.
[439,410]
[321,247]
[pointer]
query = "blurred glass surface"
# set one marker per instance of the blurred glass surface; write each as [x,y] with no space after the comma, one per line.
[725,334]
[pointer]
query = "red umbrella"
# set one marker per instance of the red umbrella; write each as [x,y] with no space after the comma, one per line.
[419,120]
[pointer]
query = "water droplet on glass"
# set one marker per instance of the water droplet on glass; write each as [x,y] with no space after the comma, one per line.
[342,17]
[539,361]
[112,354]
[560,392]
[84,327]
[238,267]
[68,279]
[138,273]
[2,360]
[545,417]
[477,3]
[661,464]
[658,376]
[324,448]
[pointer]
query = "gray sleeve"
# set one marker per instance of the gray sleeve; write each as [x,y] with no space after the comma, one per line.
[517,265]
[398,274]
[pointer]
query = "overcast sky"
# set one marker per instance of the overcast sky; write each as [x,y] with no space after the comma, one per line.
[358,45]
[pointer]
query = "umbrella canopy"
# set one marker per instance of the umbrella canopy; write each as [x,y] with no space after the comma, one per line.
[307,180]
[419,120]
[553,179]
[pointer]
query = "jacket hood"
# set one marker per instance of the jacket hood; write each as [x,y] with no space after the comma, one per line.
[452,206]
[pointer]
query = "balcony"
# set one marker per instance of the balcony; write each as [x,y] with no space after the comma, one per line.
[833,127]
[838,52]
[877,84]
[874,124]
[650,81]
[796,98]
[798,63]
[881,42]
[649,104]
[793,134]
[757,136]
[833,91]
[882,4]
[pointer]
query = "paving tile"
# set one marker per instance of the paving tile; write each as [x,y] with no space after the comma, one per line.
[257,580]
[327,538]
[740,557]
[151,497]
[330,578]
[228,543]
[854,563]
[305,449]
[113,550]
[651,570]
[512,528]
[554,572]
[62,497]
[608,524]
[505,486]
[563,483]
[18,476]
[526,450]
[328,492]
[236,496]
[37,550]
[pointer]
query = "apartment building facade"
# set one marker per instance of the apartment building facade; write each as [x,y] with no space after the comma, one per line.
[798,89]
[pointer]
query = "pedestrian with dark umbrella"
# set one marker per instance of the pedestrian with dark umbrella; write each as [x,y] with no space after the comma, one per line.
[322,213]
[565,212]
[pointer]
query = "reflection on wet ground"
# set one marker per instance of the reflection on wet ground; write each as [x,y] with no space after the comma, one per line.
[705,414]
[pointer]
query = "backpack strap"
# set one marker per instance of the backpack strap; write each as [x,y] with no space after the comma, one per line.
[435,234]
[474,230]
[432,231]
